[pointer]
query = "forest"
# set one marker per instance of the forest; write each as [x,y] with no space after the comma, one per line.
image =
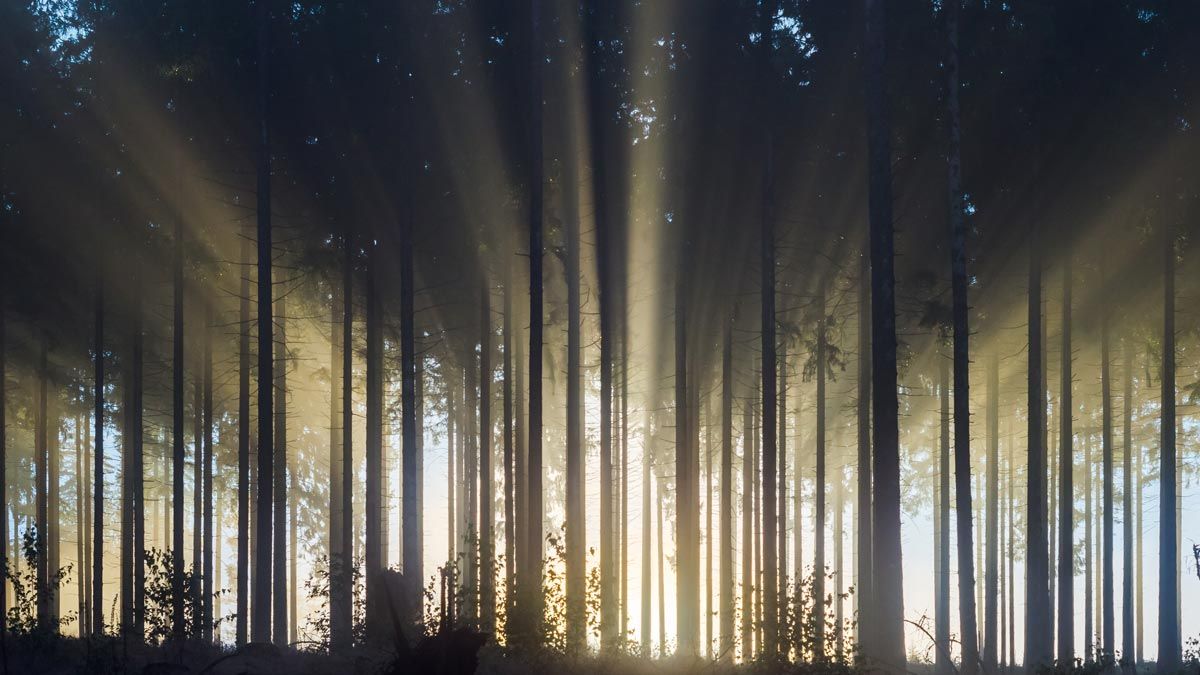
[600,336]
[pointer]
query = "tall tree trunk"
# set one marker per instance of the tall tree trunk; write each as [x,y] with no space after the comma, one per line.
[206,616]
[1169,646]
[885,642]
[413,546]
[818,615]
[1066,500]
[97,524]
[279,560]
[335,435]
[532,577]
[510,542]
[839,638]
[647,454]
[470,443]
[243,448]
[41,460]
[376,616]
[576,541]
[624,478]
[992,592]
[4,532]
[862,529]
[1088,628]
[53,549]
[178,458]
[756,502]
[687,588]
[708,532]
[83,440]
[1108,642]
[452,477]
[769,364]
[781,530]
[662,592]
[1038,639]
[747,532]
[1139,591]
[196,597]
[1128,644]
[1012,585]
[962,377]
[260,627]
[941,618]
[487,535]
[341,570]
[134,558]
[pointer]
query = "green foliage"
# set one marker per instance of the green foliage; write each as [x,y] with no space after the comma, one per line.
[22,617]
[160,599]
[316,630]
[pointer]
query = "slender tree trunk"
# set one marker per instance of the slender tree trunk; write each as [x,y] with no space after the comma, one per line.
[839,638]
[647,454]
[576,542]
[725,649]
[4,532]
[136,479]
[885,644]
[1066,500]
[80,529]
[261,621]
[769,365]
[471,442]
[1012,585]
[1108,642]
[1088,628]
[54,520]
[624,564]
[452,477]
[756,501]
[335,436]
[196,596]
[377,617]
[747,532]
[708,532]
[1139,654]
[781,530]
[279,594]
[532,584]
[413,546]
[243,426]
[1038,640]
[487,536]
[41,461]
[341,570]
[992,593]
[97,524]
[1128,644]
[941,619]
[962,378]
[206,616]
[1169,645]
[510,543]
[662,593]
[818,617]
[862,514]
[687,587]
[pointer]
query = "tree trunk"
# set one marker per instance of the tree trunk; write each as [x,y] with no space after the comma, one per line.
[54,517]
[196,598]
[243,425]
[576,541]
[80,527]
[1169,645]
[1066,500]
[510,543]
[341,570]
[41,461]
[747,532]
[624,632]
[413,546]
[992,592]
[470,512]
[487,536]
[687,588]
[279,594]
[261,621]
[647,453]
[862,529]
[1128,644]
[941,619]
[662,593]
[4,532]
[1038,639]
[781,531]
[962,378]
[1108,642]
[97,524]
[532,584]
[885,642]
[376,616]
[818,616]
[1088,628]
[206,616]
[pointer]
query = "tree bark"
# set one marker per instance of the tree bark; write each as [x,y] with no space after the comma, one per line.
[341,570]
[279,559]
[413,546]
[862,529]
[510,542]
[818,615]
[941,619]
[1169,644]
[206,616]
[576,541]
[687,587]
[1038,639]
[992,593]
[885,642]
[1107,642]
[487,536]
[1128,644]
[41,462]
[747,532]
[532,577]
[1066,500]
[243,449]
[97,524]
[260,627]
[376,617]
